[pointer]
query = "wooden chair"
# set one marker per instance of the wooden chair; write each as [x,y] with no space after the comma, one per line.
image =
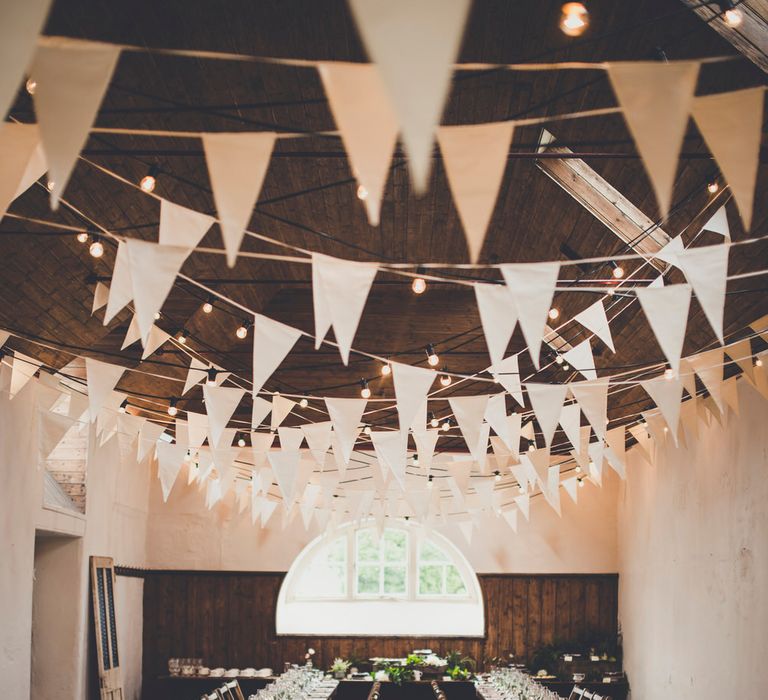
[577,693]
[588,695]
[211,696]
[235,692]
[375,691]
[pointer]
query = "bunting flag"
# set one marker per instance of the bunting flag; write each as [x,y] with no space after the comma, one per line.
[267,508]
[571,487]
[220,404]
[460,472]
[182,227]
[72,77]
[133,334]
[514,420]
[22,22]
[667,394]
[4,335]
[169,460]
[198,371]
[339,292]
[318,437]
[155,339]
[346,415]
[730,394]
[100,297]
[540,461]
[272,341]
[197,428]
[668,254]
[593,318]
[426,440]
[260,445]
[153,269]
[496,415]
[469,412]
[390,447]
[411,387]
[53,428]
[510,517]
[259,410]
[581,359]
[237,163]
[414,46]
[532,286]
[570,422]
[596,461]
[121,287]
[475,159]
[741,353]
[706,270]
[338,453]
[148,437]
[281,407]
[547,403]
[709,368]
[466,528]
[290,438]
[643,444]
[552,492]
[19,148]
[102,379]
[285,467]
[523,504]
[718,223]
[368,126]
[731,124]
[592,397]
[616,449]
[498,316]
[507,373]
[642,88]
[223,459]
[666,309]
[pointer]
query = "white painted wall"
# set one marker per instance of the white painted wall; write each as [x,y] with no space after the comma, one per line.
[693,563]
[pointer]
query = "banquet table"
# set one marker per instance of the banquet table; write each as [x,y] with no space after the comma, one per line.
[412,690]
[192,687]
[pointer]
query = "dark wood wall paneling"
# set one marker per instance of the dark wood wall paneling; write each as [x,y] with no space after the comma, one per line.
[228,619]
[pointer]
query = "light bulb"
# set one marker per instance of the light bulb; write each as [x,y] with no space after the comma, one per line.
[365,391]
[610,291]
[434,422]
[31,86]
[713,187]
[669,373]
[432,357]
[618,272]
[172,410]
[157,315]
[148,182]
[644,424]
[50,185]
[446,426]
[207,307]
[97,248]
[429,481]
[242,331]
[446,379]
[566,367]
[578,469]
[82,237]
[362,193]
[182,337]
[521,488]
[497,476]
[758,362]
[666,429]
[531,447]
[553,313]
[415,460]
[241,442]
[386,370]
[210,380]
[303,403]
[367,429]
[123,406]
[574,19]
[419,285]
[733,17]
[559,359]
[581,483]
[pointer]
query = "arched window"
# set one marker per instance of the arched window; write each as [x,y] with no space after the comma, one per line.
[403,581]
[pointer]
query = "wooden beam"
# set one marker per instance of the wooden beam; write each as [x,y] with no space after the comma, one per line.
[603,201]
[750,38]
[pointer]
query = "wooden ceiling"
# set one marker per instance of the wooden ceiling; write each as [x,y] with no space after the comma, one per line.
[309,196]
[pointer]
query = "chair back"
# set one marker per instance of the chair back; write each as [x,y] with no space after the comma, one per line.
[375,691]
[235,692]
[588,695]
[577,693]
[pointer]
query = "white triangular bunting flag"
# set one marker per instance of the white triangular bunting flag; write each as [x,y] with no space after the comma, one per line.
[414,46]
[272,341]
[72,77]
[469,412]
[53,428]
[593,400]
[475,159]
[237,164]
[507,373]
[515,424]
[285,467]
[425,440]
[19,145]
[731,124]
[666,309]
[318,437]
[346,415]
[220,404]
[496,415]
[730,394]
[718,223]
[498,316]
[102,379]
[642,88]
[343,286]
[100,297]
[593,318]
[596,461]
[466,527]
[615,453]
[532,286]
[267,509]
[121,287]
[22,22]
[510,517]
[668,254]
[391,449]
[281,407]
[741,353]
[290,438]
[197,427]
[547,402]
[524,505]
[169,460]
[148,436]
[709,368]
[182,227]
[259,410]
[156,338]
[539,460]
[198,371]
[154,268]
[368,126]
[581,359]
[133,334]
[667,395]
[411,387]
[706,270]
[570,422]
[571,487]
[552,492]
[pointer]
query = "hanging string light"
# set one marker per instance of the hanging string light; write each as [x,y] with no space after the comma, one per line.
[172,410]
[367,429]
[210,380]
[731,14]
[242,331]
[31,86]
[97,247]
[445,379]
[182,336]
[82,237]
[574,19]
[365,390]
[429,481]
[447,425]
[157,316]
[713,187]
[208,305]
[415,460]
[433,420]
[386,369]
[362,193]
[148,182]
[618,270]
[241,442]
[497,476]
[554,313]
[419,284]
[432,357]
[669,374]
[304,403]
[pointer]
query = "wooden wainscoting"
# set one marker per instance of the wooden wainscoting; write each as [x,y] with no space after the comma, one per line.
[228,619]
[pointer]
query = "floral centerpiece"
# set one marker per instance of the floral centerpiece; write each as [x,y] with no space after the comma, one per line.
[339,668]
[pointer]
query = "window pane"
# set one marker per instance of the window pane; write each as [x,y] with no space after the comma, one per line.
[367,546]
[395,545]
[337,550]
[326,574]
[368,579]
[430,580]
[394,579]
[430,552]
[454,584]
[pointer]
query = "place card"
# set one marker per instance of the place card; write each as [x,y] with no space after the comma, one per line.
[568,657]
[594,658]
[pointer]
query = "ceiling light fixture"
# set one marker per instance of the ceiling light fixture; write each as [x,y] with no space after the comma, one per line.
[241,442]
[242,331]
[574,19]
[304,403]
[97,247]
[419,284]
[386,369]
[31,86]
[669,373]
[432,357]
[433,420]
[447,425]
[182,336]
[365,390]
[362,193]
[208,306]
[713,187]
[148,182]
[497,476]
[731,14]
[618,270]
[446,379]
[82,237]
[554,313]
[172,410]
[367,429]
